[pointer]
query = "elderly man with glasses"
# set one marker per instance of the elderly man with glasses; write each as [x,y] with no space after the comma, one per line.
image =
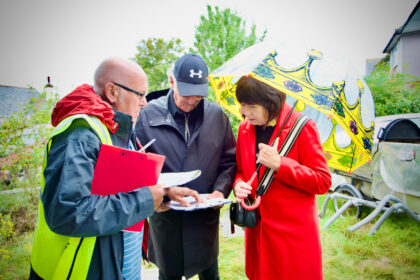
[193,133]
[79,235]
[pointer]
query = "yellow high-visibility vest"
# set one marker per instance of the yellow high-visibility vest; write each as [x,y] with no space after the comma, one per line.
[56,256]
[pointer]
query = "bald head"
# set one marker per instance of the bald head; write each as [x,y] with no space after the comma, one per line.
[117,70]
[123,84]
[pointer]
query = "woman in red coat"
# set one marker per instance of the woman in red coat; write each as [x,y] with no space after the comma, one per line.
[285,243]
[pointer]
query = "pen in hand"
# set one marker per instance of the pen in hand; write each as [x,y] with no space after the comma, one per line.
[147,145]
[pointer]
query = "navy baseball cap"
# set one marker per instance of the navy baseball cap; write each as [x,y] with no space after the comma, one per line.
[191,73]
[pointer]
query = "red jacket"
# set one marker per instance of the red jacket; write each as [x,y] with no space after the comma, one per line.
[285,244]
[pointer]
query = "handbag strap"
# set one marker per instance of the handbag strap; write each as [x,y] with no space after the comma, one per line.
[284,151]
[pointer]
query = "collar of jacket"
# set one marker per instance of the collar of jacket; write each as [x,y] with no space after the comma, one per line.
[125,127]
[197,113]
[195,117]
[161,114]
[84,100]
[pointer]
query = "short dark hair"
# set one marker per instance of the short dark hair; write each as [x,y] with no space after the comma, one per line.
[254,92]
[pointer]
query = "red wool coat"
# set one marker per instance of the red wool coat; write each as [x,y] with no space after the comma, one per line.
[285,244]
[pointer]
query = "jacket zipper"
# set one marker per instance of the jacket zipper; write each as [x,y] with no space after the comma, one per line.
[74,259]
[187,129]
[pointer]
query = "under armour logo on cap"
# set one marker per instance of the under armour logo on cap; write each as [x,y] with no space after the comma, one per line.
[199,73]
[191,73]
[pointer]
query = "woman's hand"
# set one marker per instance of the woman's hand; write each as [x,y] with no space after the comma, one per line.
[269,157]
[242,190]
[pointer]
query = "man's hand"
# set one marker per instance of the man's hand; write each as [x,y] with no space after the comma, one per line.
[162,208]
[178,193]
[157,193]
[216,194]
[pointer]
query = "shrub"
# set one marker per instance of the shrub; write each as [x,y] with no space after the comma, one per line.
[394,93]
[23,136]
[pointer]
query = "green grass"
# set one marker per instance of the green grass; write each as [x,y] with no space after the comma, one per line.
[15,257]
[232,258]
[17,222]
[392,253]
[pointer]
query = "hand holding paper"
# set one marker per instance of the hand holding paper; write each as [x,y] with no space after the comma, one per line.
[216,195]
[178,194]
[194,205]
[172,182]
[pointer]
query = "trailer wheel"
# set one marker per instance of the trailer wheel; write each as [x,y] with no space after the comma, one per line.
[349,190]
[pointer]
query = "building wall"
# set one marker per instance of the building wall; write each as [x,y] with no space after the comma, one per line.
[405,57]
[411,53]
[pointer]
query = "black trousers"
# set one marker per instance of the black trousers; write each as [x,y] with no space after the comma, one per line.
[211,273]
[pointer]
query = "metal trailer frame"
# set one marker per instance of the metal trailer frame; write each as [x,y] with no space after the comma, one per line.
[379,206]
[356,195]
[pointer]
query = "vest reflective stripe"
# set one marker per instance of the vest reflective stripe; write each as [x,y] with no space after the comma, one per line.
[94,123]
[57,256]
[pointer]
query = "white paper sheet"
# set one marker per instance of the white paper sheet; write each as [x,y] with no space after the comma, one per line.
[172,179]
[197,206]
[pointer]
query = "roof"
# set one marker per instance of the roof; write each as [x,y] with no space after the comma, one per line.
[13,99]
[411,25]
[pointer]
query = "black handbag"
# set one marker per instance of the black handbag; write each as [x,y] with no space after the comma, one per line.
[242,217]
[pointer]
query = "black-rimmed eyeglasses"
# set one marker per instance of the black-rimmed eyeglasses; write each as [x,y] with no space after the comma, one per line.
[140,94]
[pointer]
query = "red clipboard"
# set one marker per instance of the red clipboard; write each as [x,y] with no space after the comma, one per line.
[121,170]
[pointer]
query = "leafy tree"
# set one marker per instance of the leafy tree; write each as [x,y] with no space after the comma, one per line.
[156,55]
[23,136]
[222,35]
[394,94]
